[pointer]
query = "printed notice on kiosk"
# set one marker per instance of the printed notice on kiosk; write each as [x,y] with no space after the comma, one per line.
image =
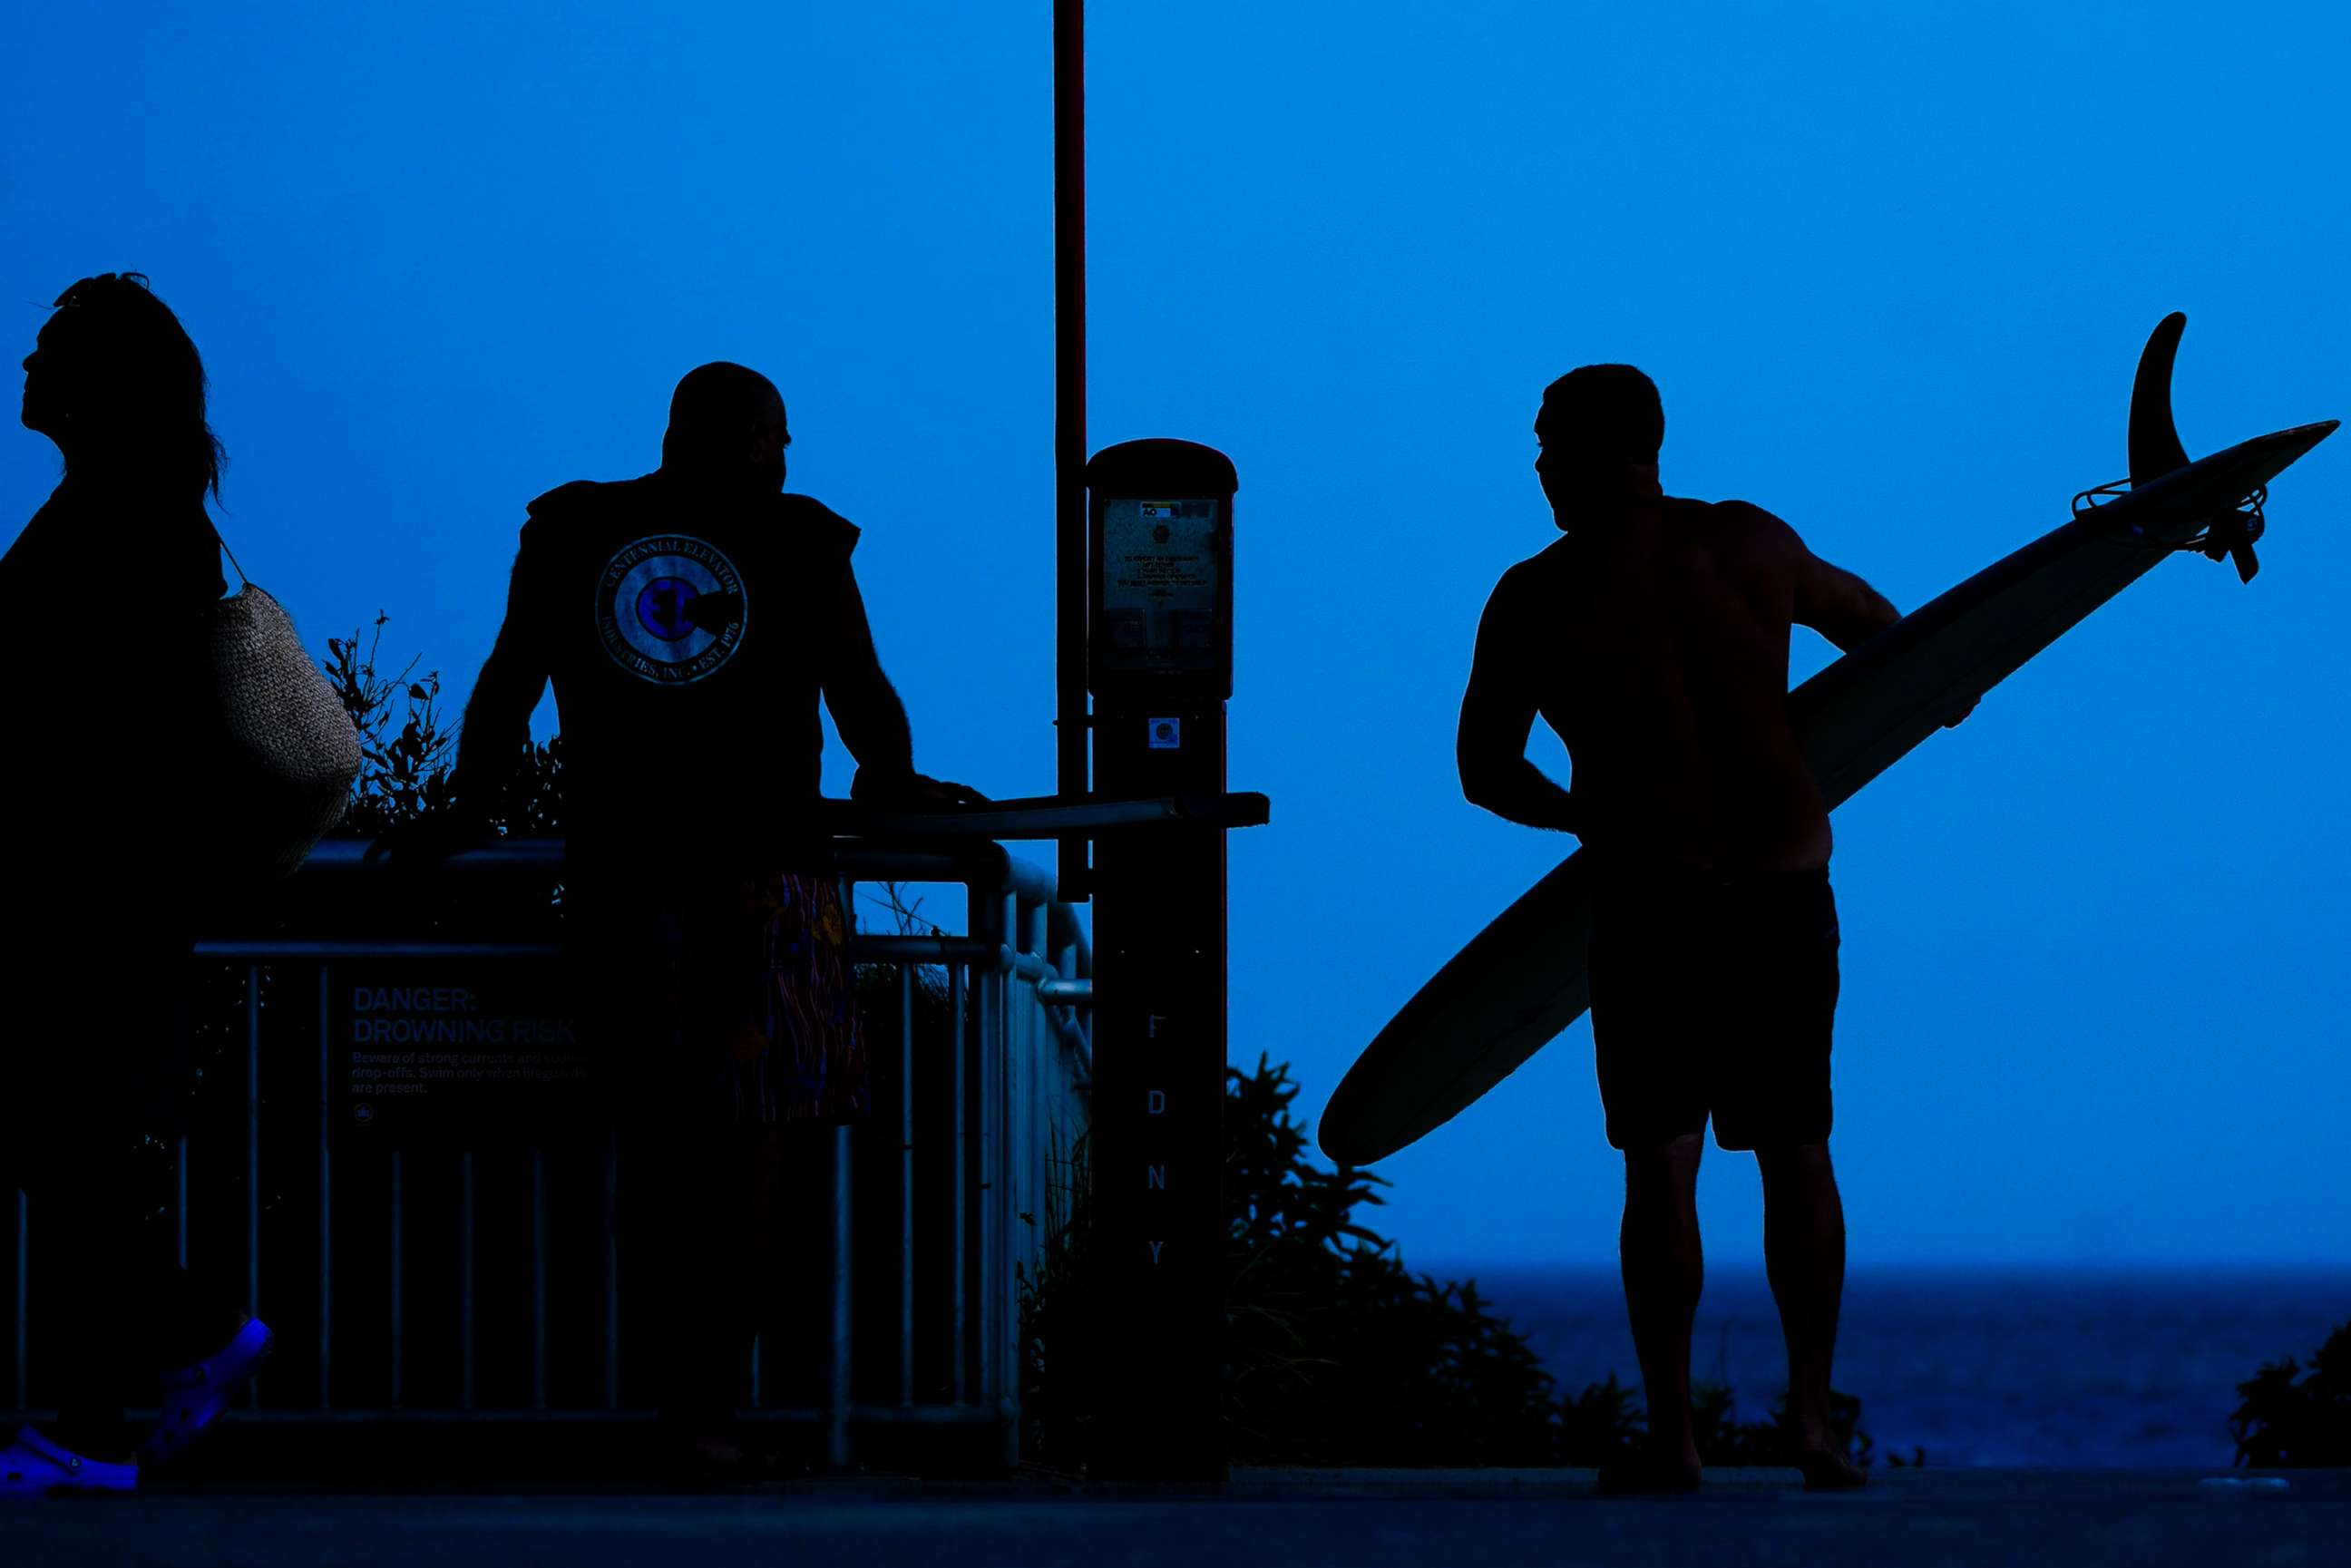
[1160,565]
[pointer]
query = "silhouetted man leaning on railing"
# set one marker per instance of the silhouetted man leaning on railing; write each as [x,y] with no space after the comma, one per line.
[690,620]
[1654,639]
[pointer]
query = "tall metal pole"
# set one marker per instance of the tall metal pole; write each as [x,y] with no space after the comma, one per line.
[1069,423]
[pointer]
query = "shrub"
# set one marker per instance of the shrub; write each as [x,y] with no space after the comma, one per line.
[2291,1420]
[404,771]
[1338,1354]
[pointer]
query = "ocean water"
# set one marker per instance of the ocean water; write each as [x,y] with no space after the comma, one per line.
[1977,1367]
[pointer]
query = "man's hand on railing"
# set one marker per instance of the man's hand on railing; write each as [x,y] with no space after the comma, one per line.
[430,838]
[908,790]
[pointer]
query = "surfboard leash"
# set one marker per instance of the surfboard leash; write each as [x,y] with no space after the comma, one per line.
[2231,535]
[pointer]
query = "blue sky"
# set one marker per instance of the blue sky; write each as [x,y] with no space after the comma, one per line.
[1891,266]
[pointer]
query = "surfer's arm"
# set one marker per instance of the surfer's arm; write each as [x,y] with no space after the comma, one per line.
[1830,600]
[1498,714]
[497,711]
[872,720]
[863,703]
[1839,605]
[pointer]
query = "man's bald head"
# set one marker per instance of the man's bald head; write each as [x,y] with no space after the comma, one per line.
[726,424]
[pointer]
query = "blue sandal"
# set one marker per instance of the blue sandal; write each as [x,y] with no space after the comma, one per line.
[195,1396]
[32,1466]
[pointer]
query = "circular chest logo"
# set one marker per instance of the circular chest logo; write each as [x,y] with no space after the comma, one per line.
[670,609]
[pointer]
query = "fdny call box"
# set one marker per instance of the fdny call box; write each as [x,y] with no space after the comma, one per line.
[1161,598]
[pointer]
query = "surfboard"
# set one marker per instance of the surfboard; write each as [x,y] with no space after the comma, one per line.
[1522,979]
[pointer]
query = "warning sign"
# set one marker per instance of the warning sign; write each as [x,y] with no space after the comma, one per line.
[475,1053]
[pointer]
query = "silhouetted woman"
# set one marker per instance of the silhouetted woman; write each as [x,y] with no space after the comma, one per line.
[102,794]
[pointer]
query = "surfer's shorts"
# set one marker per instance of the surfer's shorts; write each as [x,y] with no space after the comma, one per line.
[719,997]
[1714,994]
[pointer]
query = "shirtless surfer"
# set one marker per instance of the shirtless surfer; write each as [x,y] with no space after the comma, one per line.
[1653,637]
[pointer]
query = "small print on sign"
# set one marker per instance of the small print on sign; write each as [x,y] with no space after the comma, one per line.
[1166,734]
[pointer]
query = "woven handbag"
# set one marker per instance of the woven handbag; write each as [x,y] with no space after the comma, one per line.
[289,750]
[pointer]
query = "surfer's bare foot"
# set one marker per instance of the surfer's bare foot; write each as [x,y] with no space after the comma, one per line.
[1644,1473]
[1827,1469]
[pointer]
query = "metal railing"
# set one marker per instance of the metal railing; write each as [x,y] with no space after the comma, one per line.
[950,1180]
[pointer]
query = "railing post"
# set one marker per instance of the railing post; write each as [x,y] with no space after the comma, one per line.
[252,1158]
[538,1279]
[1010,1130]
[465,1279]
[958,1189]
[180,1202]
[838,1367]
[396,1326]
[326,1190]
[24,1298]
[987,924]
[611,1270]
[906,1185]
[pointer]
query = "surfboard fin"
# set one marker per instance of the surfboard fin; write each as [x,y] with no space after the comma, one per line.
[2155,448]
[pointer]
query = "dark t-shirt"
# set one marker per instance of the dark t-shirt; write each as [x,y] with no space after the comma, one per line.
[685,634]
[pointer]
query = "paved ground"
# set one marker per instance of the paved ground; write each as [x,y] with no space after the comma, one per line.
[1363,1519]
